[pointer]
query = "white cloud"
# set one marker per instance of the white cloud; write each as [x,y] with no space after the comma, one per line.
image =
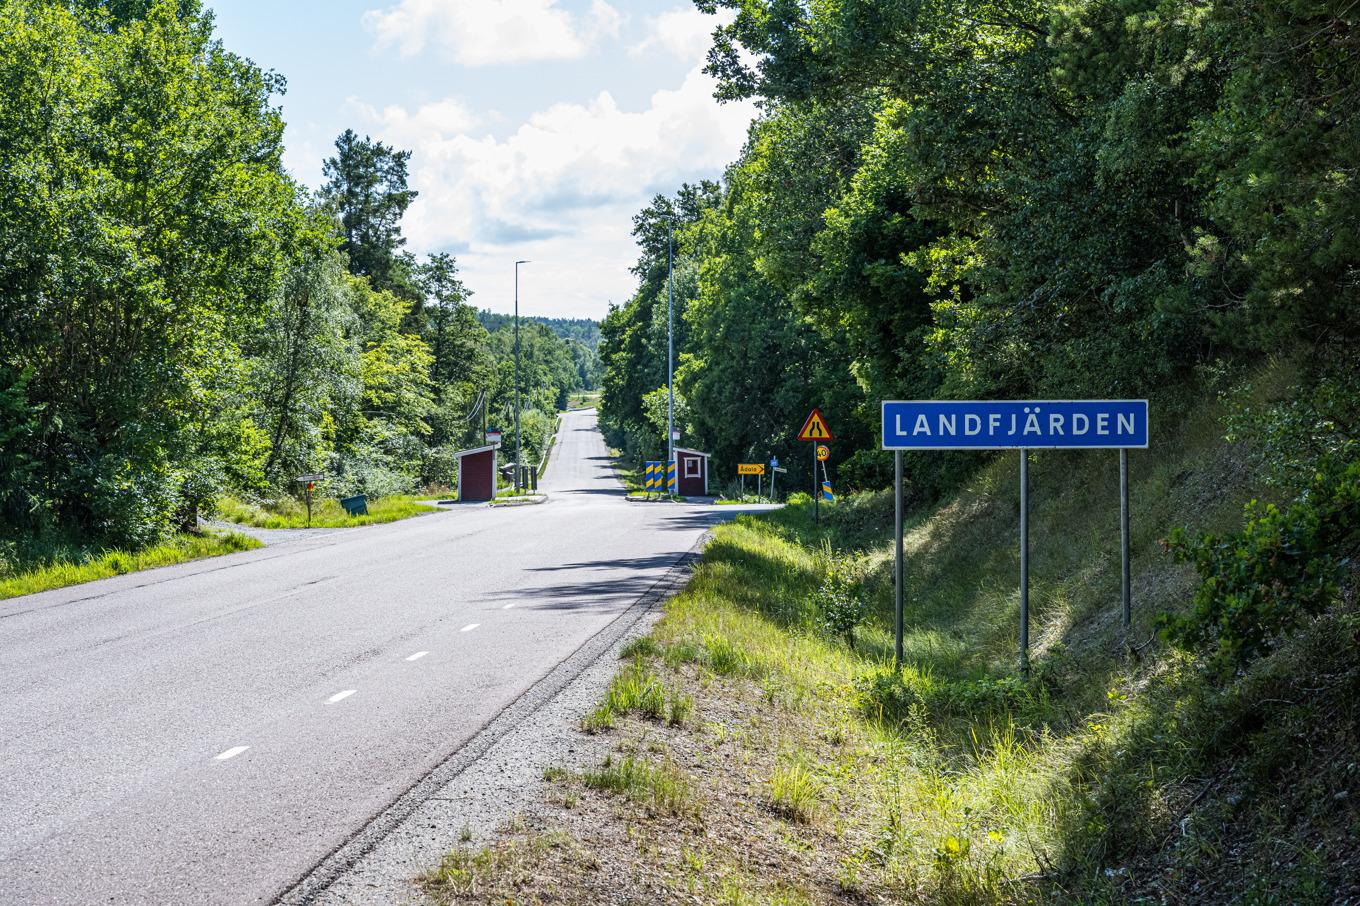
[487,32]
[561,189]
[685,33]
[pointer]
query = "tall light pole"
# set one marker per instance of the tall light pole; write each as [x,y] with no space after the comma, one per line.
[670,350]
[518,457]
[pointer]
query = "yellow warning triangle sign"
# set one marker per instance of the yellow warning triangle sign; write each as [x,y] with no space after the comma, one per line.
[815,428]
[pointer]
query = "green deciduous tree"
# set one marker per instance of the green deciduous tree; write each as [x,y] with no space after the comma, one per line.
[143,209]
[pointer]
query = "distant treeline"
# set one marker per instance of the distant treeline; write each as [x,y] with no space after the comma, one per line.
[180,319]
[581,335]
[1004,198]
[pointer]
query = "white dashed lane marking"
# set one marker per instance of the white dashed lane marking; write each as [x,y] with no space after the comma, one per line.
[230,753]
[341,696]
[417,656]
[508,606]
[469,627]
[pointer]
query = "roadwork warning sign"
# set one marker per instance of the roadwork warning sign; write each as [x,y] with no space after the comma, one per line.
[815,428]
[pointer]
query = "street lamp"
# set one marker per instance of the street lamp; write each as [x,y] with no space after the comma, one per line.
[670,352]
[518,456]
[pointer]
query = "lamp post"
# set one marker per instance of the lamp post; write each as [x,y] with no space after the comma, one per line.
[670,351]
[518,456]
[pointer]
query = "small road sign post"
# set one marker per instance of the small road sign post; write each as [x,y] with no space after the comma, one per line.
[309,482]
[750,468]
[774,470]
[815,429]
[1018,425]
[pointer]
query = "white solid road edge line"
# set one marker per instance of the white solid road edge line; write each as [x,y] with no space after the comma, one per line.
[341,696]
[417,656]
[230,753]
[469,627]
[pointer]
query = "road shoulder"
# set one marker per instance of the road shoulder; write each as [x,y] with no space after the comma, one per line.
[495,776]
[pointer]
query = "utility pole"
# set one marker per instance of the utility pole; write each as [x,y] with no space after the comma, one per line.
[670,350]
[518,456]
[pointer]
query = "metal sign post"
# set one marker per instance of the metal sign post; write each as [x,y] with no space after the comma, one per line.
[816,492]
[815,429]
[1024,563]
[1124,595]
[897,573]
[750,468]
[1024,426]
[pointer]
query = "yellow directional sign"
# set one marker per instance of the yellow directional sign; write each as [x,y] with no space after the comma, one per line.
[750,468]
[823,452]
[815,428]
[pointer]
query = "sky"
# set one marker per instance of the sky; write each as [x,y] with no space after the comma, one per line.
[538,128]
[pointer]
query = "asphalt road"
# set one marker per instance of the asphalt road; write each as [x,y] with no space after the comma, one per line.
[207,733]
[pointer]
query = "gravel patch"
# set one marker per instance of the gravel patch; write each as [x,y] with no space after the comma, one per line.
[273,537]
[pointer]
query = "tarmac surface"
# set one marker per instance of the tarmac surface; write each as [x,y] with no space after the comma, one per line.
[248,727]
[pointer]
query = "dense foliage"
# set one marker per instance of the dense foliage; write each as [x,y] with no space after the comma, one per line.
[971,198]
[1003,198]
[179,319]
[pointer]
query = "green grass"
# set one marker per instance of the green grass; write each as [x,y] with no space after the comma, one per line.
[290,513]
[501,873]
[73,570]
[660,787]
[548,448]
[793,793]
[584,399]
[1117,763]
[636,689]
[510,492]
[629,473]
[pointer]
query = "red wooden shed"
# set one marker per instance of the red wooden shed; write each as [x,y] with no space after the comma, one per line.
[691,468]
[477,474]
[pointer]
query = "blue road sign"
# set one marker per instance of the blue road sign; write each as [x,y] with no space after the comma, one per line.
[774,462]
[1011,424]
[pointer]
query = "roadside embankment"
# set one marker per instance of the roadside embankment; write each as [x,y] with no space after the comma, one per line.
[758,746]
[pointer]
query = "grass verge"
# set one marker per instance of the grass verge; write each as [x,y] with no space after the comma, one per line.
[289,513]
[1119,772]
[104,564]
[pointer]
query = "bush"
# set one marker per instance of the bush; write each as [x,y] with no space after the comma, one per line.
[904,698]
[839,607]
[1264,581]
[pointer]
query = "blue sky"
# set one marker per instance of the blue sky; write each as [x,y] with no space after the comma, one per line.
[538,127]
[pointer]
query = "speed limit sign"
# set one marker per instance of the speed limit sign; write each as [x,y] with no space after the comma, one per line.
[823,452]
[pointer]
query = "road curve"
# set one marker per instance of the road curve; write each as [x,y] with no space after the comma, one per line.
[207,733]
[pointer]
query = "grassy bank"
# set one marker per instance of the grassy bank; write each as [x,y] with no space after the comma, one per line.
[288,513]
[799,769]
[74,567]
[584,399]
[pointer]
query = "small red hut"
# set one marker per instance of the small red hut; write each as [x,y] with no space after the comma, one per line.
[477,474]
[691,468]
